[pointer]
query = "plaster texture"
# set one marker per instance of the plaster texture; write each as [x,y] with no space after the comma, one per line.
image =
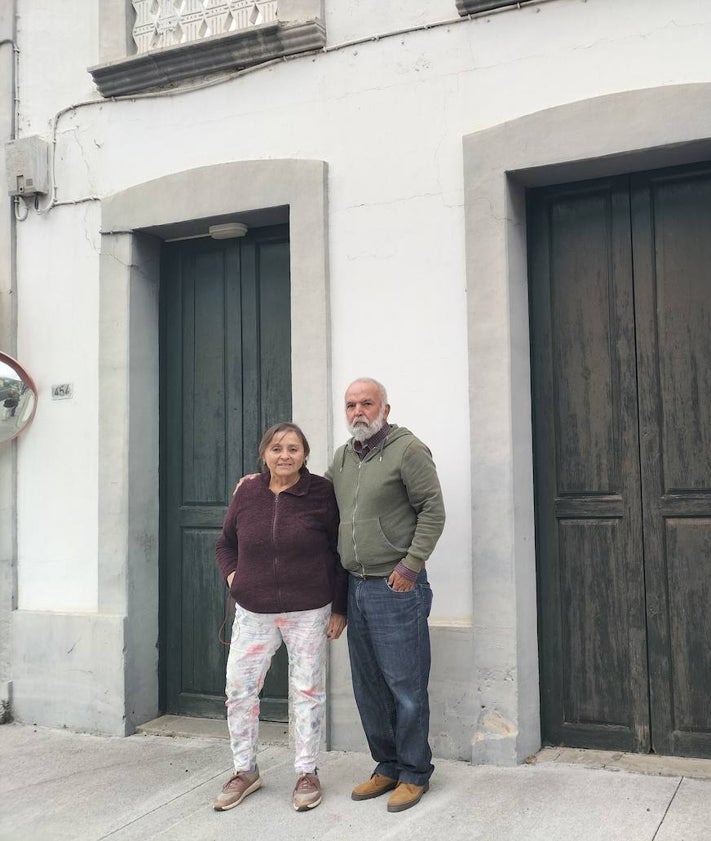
[68,670]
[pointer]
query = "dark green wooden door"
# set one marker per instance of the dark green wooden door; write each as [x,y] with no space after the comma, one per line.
[620,324]
[225,377]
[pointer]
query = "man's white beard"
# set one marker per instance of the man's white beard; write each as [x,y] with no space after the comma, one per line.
[362,430]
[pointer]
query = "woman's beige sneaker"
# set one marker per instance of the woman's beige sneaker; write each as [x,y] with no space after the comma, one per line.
[236,789]
[307,792]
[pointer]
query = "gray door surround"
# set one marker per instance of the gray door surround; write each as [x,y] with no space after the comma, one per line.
[104,666]
[607,135]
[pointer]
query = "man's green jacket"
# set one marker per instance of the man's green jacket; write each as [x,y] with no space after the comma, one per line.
[390,504]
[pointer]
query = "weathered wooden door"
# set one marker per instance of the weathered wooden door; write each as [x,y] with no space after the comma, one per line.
[620,288]
[225,377]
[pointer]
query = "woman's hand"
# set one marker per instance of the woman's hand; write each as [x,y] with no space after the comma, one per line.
[248,476]
[230,577]
[336,624]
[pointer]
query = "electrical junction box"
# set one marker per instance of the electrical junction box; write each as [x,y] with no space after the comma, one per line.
[27,166]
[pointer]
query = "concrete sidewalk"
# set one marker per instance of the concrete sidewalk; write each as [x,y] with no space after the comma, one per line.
[61,786]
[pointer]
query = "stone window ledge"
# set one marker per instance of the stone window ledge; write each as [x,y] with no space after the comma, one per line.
[470,7]
[220,53]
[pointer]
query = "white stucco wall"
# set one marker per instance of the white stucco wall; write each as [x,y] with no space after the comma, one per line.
[388,116]
[57,465]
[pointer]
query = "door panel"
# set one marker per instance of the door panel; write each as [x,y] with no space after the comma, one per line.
[201,659]
[226,376]
[593,657]
[620,322]
[594,645]
[688,544]
[587,460]
[671,225]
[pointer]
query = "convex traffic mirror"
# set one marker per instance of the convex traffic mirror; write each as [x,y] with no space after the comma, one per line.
[18,398]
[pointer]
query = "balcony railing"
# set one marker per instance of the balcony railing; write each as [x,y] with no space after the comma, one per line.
[170,23]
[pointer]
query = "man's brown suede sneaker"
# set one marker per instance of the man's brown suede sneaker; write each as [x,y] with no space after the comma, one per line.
[374,787]
[406,795]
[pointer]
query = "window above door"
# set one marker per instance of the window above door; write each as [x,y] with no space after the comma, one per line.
[148,44]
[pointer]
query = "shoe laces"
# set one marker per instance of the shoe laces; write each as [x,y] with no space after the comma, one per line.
[241,776]
[306,782]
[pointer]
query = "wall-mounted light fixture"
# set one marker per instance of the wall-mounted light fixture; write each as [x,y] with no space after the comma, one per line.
[229,230]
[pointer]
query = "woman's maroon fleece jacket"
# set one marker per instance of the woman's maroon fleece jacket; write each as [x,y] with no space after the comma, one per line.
[282,547]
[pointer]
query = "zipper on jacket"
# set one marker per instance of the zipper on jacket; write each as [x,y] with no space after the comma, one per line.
[276,559]
[355,509]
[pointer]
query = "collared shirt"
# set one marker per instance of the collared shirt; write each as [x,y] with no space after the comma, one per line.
[362,448]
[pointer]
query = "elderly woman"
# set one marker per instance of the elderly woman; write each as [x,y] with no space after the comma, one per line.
[277,553]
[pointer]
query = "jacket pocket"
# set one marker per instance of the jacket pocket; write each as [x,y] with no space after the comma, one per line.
[345,542]
[371,539]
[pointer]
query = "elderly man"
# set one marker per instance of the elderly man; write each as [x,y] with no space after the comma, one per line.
[392,515]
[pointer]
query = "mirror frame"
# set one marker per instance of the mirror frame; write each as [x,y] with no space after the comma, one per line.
[11,362]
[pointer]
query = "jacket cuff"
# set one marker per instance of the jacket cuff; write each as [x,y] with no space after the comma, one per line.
[405,571]
[415,564]
[339,606]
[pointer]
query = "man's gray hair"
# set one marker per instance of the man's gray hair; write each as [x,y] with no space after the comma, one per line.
[381,388]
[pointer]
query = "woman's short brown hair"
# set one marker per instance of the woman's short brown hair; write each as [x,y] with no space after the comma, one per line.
[285,426]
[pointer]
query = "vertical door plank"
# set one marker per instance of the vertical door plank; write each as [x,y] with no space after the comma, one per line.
[171,423]
[275,332]
[588,518]
[236,464]
[205,443]
[271,256]
[225,357]
[672,263]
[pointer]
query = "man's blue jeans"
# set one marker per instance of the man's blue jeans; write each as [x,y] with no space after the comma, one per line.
[389,648]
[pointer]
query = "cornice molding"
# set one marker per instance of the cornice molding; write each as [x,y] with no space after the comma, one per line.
[244,48]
